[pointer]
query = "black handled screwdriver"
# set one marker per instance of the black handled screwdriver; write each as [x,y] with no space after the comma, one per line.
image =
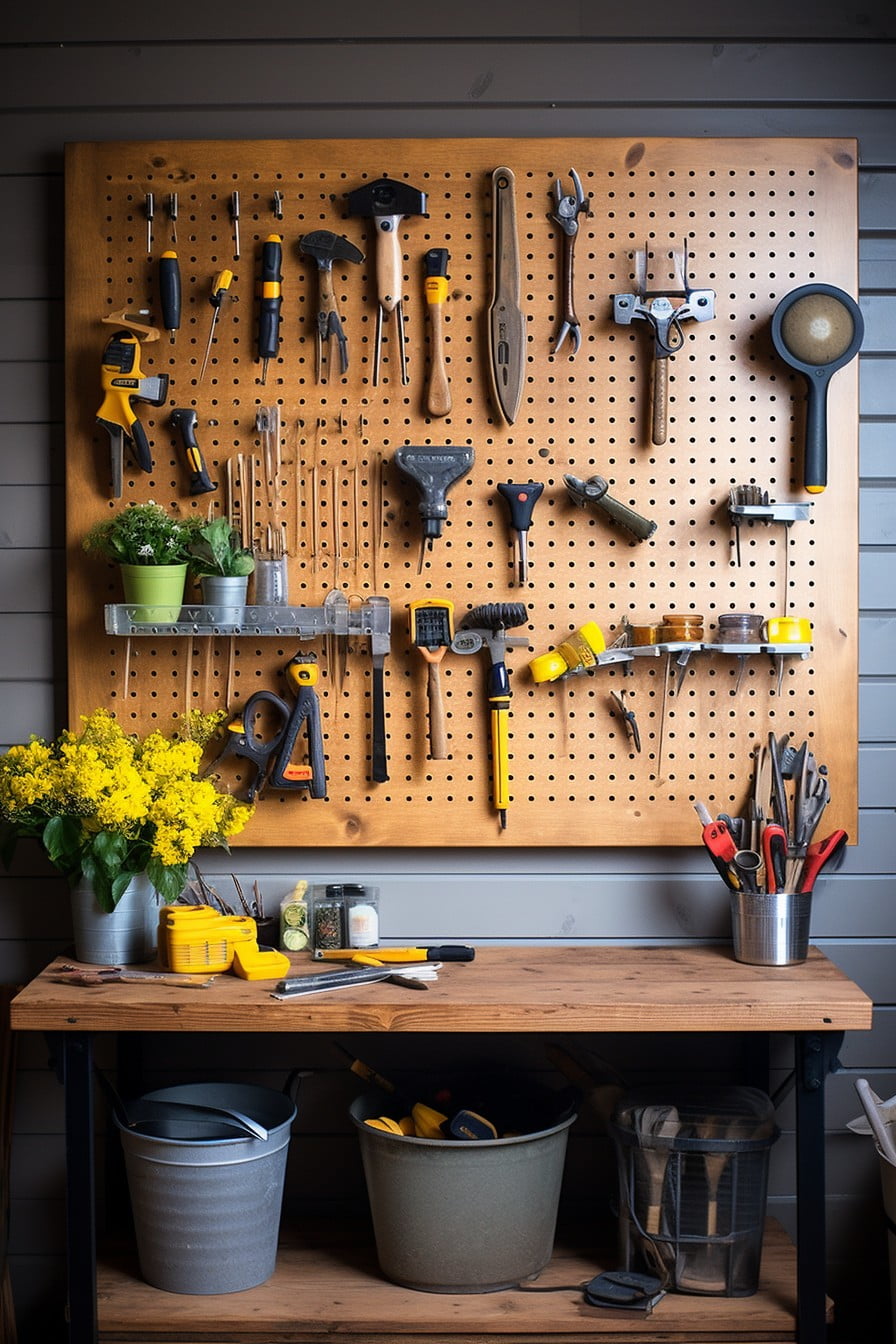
[169,292]
[521,500]
[269,301]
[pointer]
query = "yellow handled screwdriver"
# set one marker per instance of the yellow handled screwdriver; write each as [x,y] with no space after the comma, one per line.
[220,286]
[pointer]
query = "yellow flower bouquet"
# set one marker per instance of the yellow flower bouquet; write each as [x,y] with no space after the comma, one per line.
[107,805]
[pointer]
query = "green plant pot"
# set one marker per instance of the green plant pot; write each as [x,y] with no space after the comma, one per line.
[156,592]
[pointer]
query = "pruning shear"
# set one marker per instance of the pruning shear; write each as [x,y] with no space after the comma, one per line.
[819,855]
[566,213]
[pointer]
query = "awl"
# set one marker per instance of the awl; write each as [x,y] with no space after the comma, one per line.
[506,323]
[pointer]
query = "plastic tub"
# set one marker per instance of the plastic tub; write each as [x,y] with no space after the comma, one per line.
[461,1216]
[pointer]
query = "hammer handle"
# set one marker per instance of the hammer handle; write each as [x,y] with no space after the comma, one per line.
[388,261]
[660,400]
[439,398]
[438,736]
[327,290]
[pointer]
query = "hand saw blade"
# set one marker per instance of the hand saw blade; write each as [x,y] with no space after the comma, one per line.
[506,322]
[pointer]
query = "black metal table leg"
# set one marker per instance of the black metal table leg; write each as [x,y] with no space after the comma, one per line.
[815,1058]
[77,1076]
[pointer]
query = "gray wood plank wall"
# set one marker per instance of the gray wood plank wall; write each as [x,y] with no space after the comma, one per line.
[207,71]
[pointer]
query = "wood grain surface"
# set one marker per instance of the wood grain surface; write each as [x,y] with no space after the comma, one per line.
[758,217]
[521,989]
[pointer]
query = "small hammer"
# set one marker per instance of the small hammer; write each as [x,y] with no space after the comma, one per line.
[325,248]
[387,202]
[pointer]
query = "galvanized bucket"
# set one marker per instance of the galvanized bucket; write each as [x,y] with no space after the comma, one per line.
[205,1193]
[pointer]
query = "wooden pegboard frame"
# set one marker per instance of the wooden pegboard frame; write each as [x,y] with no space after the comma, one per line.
[760,217]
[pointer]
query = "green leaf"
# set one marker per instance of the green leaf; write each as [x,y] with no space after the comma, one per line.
[168,882]
[63,841]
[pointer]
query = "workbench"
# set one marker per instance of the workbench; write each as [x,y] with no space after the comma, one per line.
[320,1289]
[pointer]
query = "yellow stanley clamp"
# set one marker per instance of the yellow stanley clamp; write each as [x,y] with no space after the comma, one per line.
[123,382]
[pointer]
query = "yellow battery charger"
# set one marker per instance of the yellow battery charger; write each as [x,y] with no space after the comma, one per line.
[199,938]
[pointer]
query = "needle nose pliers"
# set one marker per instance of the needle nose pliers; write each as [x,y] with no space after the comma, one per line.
[566,213]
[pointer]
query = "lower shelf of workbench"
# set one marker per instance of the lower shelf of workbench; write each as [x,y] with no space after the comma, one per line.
[337,1288]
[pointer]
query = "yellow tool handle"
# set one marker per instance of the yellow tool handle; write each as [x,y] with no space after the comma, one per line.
[382,954]
[500,718]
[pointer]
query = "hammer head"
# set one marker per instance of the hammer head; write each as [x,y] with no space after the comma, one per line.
[326,247]
[386,198]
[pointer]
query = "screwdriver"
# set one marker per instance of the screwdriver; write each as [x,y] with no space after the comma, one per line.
[235,220]
[521,500]
[169,292]
[220,285]
[269,302]
[150,216]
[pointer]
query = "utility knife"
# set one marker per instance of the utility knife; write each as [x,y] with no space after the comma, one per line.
[506,322]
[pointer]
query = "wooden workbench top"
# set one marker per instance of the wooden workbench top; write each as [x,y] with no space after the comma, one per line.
[553,988]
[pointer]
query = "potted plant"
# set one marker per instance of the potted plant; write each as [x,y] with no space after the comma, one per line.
[152,547]
[222,564]
[119,815]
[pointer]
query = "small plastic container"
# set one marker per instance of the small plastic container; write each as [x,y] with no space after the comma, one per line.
[295,920]
[362,915]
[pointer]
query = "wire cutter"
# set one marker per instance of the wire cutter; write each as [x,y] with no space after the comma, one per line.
[566,214]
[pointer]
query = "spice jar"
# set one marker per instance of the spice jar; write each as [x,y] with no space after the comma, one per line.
[329,917]
[684,628]
[295,926]
[362,916]
[740,627]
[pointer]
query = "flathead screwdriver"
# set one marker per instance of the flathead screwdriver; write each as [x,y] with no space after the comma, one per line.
[270,298]
[150,216]
[235,220]
[220,285]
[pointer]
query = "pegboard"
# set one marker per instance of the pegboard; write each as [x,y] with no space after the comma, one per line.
[758,217]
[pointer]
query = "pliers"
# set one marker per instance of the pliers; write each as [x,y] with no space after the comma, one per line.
[566,214]
[628,716]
